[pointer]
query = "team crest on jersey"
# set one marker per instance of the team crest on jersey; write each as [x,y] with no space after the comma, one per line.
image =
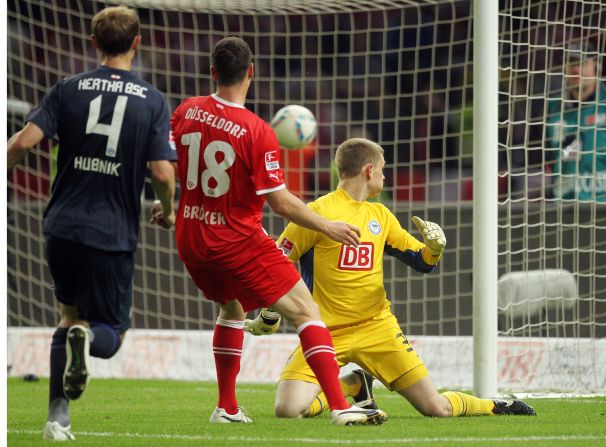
[286,246]
[374,227]
[271,161]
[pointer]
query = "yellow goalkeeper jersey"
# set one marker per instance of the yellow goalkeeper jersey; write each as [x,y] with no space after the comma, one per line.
[347,282]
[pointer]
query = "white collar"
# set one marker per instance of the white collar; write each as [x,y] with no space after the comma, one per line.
[227,103]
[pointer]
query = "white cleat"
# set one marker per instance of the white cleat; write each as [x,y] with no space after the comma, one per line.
[53,431]
[220,416]
[358,416]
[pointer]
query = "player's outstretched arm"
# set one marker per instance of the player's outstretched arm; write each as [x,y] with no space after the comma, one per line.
[433,236]
[163,183]
[293,209]
[20,143]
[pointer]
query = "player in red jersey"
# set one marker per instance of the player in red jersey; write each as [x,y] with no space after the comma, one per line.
[228,166]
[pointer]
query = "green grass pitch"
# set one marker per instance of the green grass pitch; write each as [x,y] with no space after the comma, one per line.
[169,413]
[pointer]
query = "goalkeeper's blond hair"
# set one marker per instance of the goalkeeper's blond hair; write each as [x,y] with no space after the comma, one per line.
[353,154]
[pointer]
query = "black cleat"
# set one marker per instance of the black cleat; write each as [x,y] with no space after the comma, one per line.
[514,407]
[364,398]
[77,369]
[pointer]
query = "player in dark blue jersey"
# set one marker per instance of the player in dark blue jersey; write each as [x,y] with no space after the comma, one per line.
[110,126]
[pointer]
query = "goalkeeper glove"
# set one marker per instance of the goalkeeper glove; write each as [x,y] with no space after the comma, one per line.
[267,322]
[434,237]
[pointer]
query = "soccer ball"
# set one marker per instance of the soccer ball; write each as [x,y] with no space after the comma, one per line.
[295,126]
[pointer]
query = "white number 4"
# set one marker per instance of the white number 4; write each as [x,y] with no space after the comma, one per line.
[111,131]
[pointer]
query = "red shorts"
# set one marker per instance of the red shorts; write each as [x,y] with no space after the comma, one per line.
[256,278]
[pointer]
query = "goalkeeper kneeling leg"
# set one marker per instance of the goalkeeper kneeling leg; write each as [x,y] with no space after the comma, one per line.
[267,322]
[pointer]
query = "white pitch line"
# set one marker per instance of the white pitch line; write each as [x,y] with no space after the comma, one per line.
[468,439]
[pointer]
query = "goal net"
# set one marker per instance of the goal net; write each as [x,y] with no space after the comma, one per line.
[398,72]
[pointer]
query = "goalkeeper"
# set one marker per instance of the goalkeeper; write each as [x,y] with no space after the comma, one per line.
[347,285]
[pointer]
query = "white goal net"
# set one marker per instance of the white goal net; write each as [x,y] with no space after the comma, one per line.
[398,72]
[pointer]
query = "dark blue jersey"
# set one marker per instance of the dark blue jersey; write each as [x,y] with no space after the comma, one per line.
[109,124]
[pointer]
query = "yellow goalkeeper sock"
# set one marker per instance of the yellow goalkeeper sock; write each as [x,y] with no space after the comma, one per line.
[467,405]
[350,387]
[350,384]
[318,405]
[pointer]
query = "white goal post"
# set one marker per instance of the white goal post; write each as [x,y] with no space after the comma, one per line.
[443,104]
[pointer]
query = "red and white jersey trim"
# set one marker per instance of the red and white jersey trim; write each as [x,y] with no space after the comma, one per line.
[265,191]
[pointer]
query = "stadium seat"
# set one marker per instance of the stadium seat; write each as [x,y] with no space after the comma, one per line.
[410,185]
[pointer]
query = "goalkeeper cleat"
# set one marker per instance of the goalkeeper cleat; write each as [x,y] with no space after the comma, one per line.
[514,407]
[266,323]
[54,431]
[357,416]
[364,398]
[220,416]
[77,369]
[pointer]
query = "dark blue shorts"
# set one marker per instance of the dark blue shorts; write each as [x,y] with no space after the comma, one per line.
[99,283]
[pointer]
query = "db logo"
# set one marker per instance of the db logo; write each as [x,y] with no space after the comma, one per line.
[356,258]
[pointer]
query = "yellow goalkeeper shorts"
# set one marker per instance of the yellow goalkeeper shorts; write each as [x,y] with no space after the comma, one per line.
[379,346]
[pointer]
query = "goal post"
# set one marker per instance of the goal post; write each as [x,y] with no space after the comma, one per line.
[485,211]
[530,285]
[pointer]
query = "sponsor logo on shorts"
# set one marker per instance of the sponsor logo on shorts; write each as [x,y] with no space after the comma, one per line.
[271,161]
[357,258]
[286,246]
[374,227]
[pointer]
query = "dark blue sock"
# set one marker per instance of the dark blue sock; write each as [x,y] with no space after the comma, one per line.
[106,341]
[57,364]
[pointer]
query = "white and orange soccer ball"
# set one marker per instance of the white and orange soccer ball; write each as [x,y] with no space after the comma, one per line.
[295,126]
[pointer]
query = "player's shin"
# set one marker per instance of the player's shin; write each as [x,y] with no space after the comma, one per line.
[227,349]
[320,355]
[468,405]
[57,367]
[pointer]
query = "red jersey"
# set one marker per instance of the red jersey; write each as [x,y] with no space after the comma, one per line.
[228,158]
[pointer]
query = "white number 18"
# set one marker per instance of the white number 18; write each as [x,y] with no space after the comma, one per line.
[213,169]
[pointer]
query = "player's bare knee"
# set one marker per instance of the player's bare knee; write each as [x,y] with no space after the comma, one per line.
[311,312]
[288,411]
[69,317]
[298,308]
[232,311]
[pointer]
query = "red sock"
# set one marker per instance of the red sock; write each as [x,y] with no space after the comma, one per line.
[227,348]
[320,355]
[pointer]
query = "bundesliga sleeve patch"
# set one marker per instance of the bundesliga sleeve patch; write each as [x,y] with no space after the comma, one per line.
[286,246]
[271,161]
